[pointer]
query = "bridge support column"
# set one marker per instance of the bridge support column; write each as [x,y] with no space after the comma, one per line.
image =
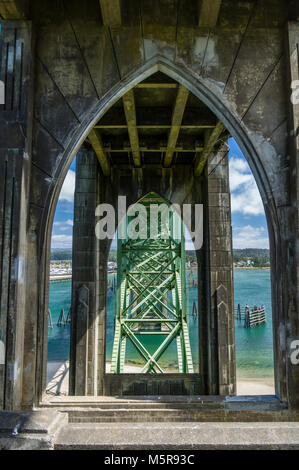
[221,275]
[16,74]
[288,379]
[85,278]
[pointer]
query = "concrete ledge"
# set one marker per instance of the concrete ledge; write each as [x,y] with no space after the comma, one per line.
[164,436]
[30,430]
[50,429]
[205,400]
[172,409]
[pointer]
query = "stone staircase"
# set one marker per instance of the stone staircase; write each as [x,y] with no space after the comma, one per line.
[171,409]
[153,423]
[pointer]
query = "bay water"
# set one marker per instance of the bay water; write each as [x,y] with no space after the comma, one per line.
[254,346]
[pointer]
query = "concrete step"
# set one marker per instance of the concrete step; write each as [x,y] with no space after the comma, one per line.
[179,409]
[29,430]
[131,415]
[141,405]
[169,436]
[265,402]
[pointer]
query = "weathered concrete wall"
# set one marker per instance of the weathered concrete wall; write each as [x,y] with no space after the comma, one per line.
[238,68]
[221,268]
[291,324]
[215,279]
[15,157]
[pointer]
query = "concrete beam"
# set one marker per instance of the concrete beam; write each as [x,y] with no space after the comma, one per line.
[208,13]
[176,121]
[212,140]
[154,126]
[130,112]
[111,12]
[159,116]
[161,148]
[157,85]
[97,146]
[14,9]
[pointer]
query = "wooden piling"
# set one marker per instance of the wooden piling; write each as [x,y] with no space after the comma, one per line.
[50,322]
[61,319]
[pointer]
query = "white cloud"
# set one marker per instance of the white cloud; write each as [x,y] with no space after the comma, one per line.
[189,245]
[238,164]
[245,196]
[239,173]
[248,202]
[68,187]
[250,237]
[61,241]
[64,225]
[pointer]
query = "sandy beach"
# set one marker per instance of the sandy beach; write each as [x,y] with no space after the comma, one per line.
[255,386]
[58,377]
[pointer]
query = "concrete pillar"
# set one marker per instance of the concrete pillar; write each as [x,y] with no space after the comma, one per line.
[106,195]
[221,335]
[16,72]
[85,299]
[208,359]
[290,375]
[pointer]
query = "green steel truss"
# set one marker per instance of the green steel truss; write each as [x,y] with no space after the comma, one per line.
[151,293]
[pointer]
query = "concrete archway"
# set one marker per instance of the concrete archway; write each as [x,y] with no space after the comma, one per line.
[208,95]
[63,65]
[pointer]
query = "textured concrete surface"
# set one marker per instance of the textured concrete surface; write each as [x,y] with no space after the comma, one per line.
[48,430]
[31,430]
[180,436]
[173,408]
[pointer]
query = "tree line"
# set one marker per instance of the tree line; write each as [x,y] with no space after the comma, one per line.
[259,256]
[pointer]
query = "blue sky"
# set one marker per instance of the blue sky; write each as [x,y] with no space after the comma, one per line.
[248,217]
[63,220]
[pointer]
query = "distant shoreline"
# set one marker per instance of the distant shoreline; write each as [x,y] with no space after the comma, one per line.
[250,268]
[63,277]
[68,277]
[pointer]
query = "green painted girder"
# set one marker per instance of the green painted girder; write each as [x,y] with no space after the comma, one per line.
[151,294]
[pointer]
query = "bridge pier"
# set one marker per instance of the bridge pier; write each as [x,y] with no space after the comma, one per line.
[16,50]
[85,275]
[221,269]
[290,262]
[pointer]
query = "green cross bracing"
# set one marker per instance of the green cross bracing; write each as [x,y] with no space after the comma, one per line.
[151,288]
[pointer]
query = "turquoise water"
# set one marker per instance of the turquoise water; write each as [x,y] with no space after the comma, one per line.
[254,350]
[254,346]
[59,336]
